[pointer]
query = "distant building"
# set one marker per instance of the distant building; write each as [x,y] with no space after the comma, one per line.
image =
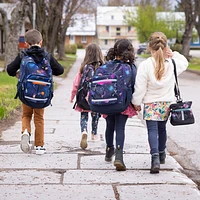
[82,30]
[111,25]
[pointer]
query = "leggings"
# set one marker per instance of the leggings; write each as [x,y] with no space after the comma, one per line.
[115,123]
[84,121]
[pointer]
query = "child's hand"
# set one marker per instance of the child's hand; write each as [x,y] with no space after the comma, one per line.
[17,74]
[71,100]
[168,53]
[138,108]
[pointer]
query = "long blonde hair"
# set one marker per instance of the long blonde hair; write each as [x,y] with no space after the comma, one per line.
[157,45]
[93,55]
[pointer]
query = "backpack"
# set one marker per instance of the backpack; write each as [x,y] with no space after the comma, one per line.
[83,88]
[111,88]
[35,83]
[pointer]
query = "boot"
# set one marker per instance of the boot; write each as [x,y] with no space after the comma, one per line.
[162,156]
[155,164]
[110,151]
[119,163]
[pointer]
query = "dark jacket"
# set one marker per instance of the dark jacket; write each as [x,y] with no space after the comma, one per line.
[37,54]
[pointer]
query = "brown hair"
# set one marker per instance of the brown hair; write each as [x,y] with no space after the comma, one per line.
[157,45]
[123,48]
[33,36]
[93,55]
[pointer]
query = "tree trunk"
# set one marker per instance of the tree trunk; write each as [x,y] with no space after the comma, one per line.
[54,23]
[190,18]
[14,30]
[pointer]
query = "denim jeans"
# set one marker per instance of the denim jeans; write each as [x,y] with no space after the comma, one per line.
[157,135]
[115,123]
[84,121]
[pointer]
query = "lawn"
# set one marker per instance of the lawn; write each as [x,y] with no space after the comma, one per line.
[8,88]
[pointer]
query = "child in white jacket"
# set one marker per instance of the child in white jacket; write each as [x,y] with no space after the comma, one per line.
[154,87]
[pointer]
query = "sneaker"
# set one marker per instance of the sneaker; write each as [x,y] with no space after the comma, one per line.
[109,153]
[83,143]
[25,142]
[40,150]
[101,137]
[94,137]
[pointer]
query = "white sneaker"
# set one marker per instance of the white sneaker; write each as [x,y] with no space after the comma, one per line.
[83,143]
[40,150]
[94,137]
[25,142]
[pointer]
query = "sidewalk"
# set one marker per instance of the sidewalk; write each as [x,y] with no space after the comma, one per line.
[66,172]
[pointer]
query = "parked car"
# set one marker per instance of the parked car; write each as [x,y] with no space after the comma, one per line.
[142,48]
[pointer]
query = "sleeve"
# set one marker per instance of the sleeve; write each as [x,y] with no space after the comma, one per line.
[75,85]
[57,69]
[181,62]
[14,66]
[134,71]
[140,85]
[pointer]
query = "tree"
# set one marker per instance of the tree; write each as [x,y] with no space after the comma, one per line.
[191,8]
[147,21]
[13,28]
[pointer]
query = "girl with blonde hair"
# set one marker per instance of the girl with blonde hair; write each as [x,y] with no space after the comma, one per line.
[154,88]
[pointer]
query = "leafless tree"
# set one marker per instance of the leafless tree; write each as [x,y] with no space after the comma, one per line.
[191,8]
[13,28]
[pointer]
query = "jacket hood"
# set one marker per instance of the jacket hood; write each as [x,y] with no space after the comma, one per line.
[36,52]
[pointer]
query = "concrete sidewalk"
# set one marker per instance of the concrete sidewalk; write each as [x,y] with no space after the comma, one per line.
[66,172]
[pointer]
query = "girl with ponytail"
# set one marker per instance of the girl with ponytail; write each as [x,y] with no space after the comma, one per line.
[154,87]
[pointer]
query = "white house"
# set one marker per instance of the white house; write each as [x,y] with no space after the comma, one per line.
[111,25]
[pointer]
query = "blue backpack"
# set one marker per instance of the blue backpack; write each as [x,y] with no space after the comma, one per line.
[111,88]
[83,87]
[35,83]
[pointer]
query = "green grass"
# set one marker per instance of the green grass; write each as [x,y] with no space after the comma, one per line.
[7,94]
[194,64]
[8,88]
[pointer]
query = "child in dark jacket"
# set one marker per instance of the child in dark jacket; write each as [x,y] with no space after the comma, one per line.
[33,38]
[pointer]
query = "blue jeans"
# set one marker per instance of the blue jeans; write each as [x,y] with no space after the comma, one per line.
[84,121]
[115,123]
[157,135]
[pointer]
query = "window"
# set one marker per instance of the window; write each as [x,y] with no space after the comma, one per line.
[129,28]
[118,29]
[83,39]
[112,16]
[71,37]
[105,42]
[107,28]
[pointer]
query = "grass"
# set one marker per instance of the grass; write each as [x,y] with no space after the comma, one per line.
[8,88]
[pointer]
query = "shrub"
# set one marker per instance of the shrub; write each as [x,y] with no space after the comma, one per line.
[176,47]
[70,49]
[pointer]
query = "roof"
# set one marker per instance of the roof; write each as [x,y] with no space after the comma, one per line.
[113,15]
[82,24]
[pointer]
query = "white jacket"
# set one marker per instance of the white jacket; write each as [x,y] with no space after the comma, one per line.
[148,89]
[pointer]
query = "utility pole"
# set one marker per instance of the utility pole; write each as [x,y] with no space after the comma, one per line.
[34,14]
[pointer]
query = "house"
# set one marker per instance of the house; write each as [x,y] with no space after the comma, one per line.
[82,30]
[111,25]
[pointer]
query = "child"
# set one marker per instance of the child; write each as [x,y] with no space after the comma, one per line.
[33,39]
[123,52]
[154,87]
[92,60]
